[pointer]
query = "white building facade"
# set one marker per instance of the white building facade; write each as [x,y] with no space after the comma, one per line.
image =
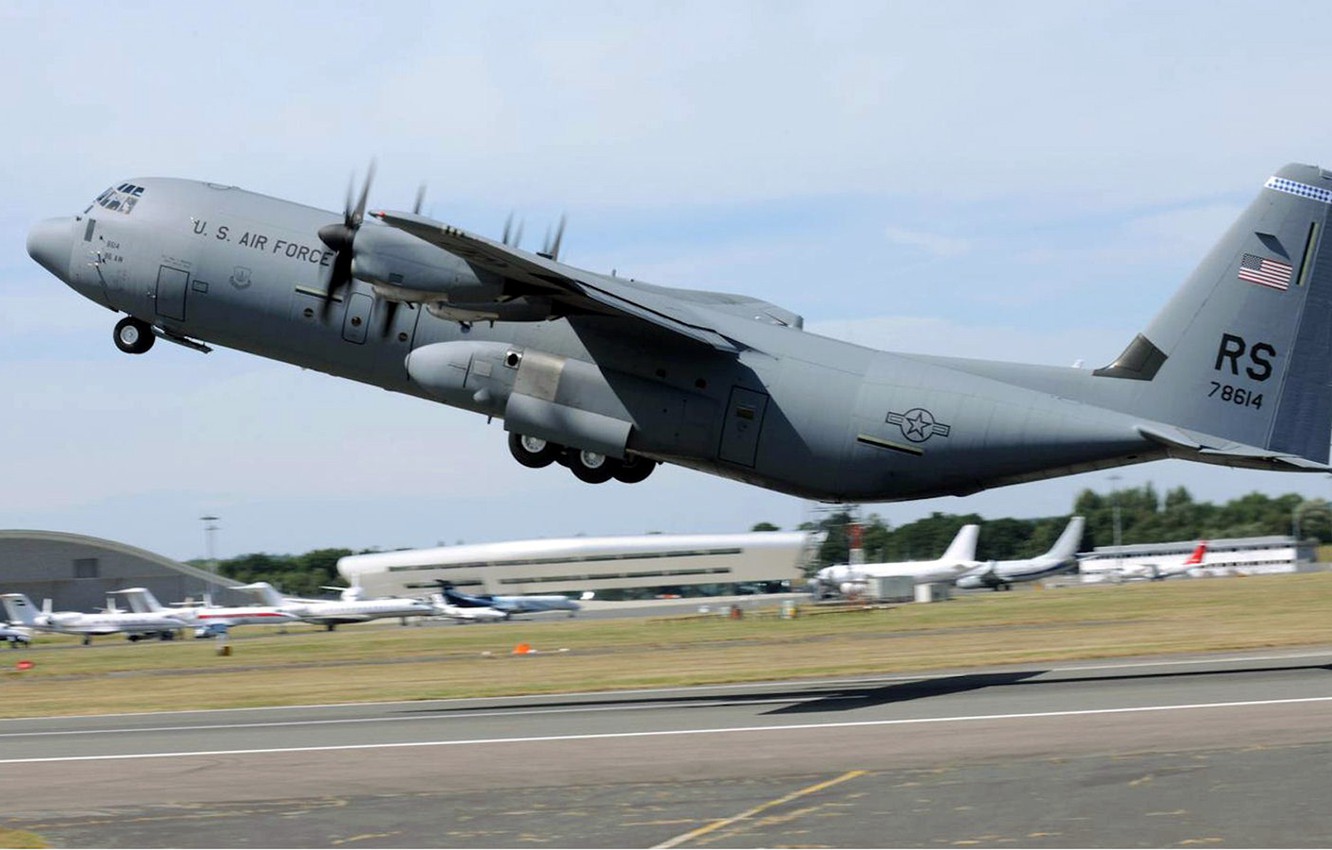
[630,567]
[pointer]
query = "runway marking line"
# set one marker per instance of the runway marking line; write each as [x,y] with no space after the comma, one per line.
[762,807]
[597,736]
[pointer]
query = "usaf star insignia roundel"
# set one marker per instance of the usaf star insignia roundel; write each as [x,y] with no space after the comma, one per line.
[918,424]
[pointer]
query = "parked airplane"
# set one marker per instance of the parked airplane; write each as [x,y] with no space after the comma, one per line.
[207,620]
[1002,575]
[332,614]
[15,636]
[465,613]
[134,626]
[849,579]
[610,376]
[1158,571]
[508,605]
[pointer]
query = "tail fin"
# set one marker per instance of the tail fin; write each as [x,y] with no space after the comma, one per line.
[19,609]
[963,547]
[1067,544]
[265,592]
[1197,557]
[1242,351]
[141,600]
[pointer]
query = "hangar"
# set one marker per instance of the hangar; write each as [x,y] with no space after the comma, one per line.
[77,572]
[628,567]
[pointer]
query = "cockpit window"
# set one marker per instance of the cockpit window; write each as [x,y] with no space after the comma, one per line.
[120,199]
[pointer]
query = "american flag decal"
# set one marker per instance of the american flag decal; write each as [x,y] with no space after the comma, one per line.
[1265,272]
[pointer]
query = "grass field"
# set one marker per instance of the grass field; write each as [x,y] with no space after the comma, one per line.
[386,661]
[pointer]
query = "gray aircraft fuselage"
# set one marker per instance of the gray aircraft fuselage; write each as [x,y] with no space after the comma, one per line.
[780,408]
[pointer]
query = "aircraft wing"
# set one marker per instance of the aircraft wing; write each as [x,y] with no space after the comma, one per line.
[691,314]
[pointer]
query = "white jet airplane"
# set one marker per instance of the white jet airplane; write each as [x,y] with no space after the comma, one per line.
[332,614]
[1002,575]
[465,613]
[849,579]
[208,620]
[19,609]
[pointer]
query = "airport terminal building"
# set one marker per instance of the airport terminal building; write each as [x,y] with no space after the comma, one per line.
[612,568]
[76,572]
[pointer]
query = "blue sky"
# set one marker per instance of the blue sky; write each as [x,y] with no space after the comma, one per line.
[1027,181]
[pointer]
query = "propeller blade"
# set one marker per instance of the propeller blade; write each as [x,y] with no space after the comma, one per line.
[559,237]
[551,251]
[508,228]
[420,199]
[358,215]
[390,310]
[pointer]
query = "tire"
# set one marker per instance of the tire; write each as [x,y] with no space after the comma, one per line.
[633,469]
[532,452]
[133,336]
[592,467]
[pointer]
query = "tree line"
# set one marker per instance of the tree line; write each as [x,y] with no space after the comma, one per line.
[1144,516]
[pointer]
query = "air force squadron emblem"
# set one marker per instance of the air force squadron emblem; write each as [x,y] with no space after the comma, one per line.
[918,424]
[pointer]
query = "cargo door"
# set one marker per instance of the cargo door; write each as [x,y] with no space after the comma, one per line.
[172,283]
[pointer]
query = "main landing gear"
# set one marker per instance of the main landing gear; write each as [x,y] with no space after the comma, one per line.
[592,467]
[134,336]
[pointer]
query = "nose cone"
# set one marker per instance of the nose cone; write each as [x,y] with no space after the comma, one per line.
[51,243]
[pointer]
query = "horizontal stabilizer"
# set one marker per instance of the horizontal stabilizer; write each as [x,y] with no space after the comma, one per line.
[1187,445]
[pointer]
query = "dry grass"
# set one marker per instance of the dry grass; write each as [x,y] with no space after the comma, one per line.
[389,662]
[14,838]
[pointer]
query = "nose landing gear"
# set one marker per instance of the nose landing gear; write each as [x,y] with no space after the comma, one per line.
[134,336]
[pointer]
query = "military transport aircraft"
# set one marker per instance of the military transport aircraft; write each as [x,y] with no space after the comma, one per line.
[610,376]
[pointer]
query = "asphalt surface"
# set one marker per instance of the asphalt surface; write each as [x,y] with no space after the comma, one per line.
[1208,751]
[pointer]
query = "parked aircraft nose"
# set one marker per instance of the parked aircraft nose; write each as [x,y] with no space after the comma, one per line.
[51,243]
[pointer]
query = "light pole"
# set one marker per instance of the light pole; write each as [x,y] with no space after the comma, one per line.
[1114,509]
[209,531]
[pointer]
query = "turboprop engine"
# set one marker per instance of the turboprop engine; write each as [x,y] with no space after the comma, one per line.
[417,271]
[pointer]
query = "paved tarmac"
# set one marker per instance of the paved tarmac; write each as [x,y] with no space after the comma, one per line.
[1209,751]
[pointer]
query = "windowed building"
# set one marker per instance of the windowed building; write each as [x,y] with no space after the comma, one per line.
[636,567]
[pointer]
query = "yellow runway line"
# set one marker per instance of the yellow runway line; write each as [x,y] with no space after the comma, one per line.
[725,822]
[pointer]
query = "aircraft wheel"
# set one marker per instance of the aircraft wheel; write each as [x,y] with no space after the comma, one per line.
[592,467]
[633,469]
[532,452]
[133,336]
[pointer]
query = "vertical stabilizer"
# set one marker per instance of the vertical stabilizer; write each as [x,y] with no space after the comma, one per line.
[1244,350]
[1067,544]
[963,547]
[19,609]
[265,592]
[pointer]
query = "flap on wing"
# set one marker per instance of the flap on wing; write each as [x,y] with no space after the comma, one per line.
[586,290]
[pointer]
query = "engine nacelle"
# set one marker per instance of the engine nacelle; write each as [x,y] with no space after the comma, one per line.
[564,401]
[417,270]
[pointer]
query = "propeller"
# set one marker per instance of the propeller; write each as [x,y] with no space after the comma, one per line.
[509,231]
[339,238]
[551,251]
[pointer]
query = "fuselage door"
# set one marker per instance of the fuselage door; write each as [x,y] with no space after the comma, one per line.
[172,284]
[744,423]
[357,318]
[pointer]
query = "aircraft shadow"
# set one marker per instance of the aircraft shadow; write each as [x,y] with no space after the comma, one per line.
[851,697]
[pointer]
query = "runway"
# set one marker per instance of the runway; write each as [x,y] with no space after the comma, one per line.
[1220,750]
